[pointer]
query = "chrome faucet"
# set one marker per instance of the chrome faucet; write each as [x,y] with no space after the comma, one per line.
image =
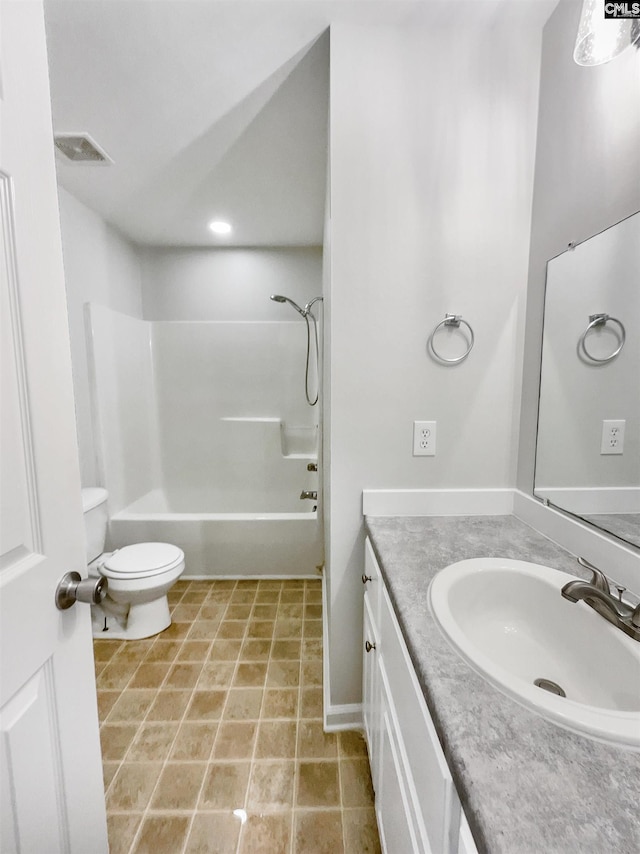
[596,593]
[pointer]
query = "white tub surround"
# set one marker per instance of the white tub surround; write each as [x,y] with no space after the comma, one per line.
[206,441]
[286,544]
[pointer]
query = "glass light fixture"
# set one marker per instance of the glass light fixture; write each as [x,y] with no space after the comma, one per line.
[601,39]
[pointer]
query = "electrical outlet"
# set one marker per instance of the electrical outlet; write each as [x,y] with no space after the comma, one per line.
[612,437]
[424,438]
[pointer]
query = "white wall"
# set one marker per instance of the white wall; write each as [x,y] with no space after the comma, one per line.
[100,267]
[213,414]
[587,177]
[432,150]
[228,284]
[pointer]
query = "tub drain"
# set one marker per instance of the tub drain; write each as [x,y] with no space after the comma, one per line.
[548,685]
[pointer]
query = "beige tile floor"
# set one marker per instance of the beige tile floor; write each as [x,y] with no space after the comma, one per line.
[212,732]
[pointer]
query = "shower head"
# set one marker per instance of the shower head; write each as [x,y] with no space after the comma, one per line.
[280,298]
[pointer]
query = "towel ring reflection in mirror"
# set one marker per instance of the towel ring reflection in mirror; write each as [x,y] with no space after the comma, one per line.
[451,320]
[600,320]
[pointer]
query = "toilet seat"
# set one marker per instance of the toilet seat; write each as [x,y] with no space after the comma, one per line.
[142,560]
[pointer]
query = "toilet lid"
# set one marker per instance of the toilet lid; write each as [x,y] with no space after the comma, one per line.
[143,559]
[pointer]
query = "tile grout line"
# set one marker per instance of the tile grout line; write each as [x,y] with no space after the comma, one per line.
[263,718]
[143,719]
[217,735]
[296,764]
[142,723]
[170,748]
[342,822]
[177,661]
[246,794]
[146,809]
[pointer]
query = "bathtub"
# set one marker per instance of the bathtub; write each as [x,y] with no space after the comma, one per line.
[283,544]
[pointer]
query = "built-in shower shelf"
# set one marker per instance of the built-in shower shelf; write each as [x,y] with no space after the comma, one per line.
[297,442]
[252,418]
[310,457]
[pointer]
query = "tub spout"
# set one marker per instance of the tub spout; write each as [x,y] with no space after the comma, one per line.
[307,493]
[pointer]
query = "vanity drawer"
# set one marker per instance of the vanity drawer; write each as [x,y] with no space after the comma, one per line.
[439,803]
[373,587]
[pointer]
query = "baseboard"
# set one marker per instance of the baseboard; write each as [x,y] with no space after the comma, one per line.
[437,502]
[338,718]
[588,500]
[617,560]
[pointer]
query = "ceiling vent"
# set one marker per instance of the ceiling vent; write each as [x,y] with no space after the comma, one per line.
[80,148]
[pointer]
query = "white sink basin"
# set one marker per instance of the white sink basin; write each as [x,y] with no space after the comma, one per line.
[510,623]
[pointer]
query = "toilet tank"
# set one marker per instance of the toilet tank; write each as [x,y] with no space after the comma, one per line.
[94,506]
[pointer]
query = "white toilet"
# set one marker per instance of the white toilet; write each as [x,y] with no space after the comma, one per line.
[139,577]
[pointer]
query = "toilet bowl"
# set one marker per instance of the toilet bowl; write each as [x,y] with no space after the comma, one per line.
[139,578]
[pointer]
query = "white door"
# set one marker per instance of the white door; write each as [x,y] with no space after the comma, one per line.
[52,798]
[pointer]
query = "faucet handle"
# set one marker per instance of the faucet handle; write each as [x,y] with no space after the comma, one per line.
[598,578]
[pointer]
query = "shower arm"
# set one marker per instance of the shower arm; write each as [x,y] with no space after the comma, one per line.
[311,302]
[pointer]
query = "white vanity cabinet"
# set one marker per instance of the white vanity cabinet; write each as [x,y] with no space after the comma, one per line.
[417,806]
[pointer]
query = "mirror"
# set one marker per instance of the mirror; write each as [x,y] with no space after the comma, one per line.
[588,448]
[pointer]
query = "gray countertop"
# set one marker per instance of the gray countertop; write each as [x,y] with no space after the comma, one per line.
[526,786]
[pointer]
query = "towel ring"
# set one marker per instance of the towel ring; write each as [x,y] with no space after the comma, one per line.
[452,320]
[600,320]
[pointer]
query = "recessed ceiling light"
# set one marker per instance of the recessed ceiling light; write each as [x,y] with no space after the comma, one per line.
[220,227]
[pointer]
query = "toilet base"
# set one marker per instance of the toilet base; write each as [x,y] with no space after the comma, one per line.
[142,620]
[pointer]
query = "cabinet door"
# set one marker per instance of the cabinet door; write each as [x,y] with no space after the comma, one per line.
[466,844]
[392,807]
[437,806]
[371,693]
